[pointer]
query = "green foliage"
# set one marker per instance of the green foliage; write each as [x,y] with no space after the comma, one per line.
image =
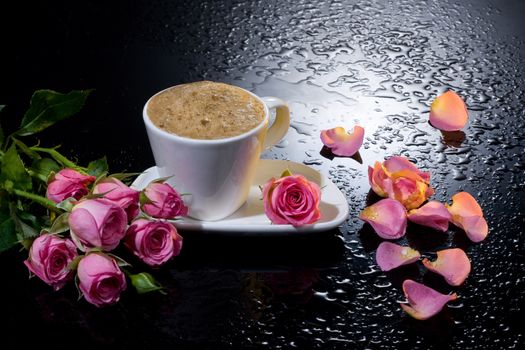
[12,169]
[48,107]
[145,283]
[98,167]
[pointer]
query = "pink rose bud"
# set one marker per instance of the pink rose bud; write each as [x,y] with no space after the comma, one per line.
[154,242]
[118,193]
[163,201]
[100,279]
[68,183]
[292,200]
[49,259]
[97,223]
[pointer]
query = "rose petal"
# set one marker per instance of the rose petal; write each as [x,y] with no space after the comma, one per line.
[390,255]
[424,302]
[467,214]
[399,166]
[387,217]
[433,214]
[342,143]
[453,264]
[448,112]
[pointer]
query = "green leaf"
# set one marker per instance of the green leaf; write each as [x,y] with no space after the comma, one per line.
[60,224]
[286,173]
[67,204]
[143,199]
[7,226]
[48,107]
[145,283]
[23,229]
[13,169]
[45,167]
[98,167]
[7,234]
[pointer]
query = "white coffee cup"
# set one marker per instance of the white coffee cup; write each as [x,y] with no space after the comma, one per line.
[216,174]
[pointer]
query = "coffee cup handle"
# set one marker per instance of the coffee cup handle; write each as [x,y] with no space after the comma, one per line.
[281,124]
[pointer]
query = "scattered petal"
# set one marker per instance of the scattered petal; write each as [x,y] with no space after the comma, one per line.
[390,255]
[467,214]
[448,112]
[433,214]
[388,218]
[342,143]
[453,264]
[424,302]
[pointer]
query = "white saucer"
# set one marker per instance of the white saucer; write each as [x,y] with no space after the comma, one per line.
[250,219]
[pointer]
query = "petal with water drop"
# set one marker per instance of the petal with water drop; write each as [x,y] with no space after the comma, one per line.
[388,218]
[342,143]
[390,255]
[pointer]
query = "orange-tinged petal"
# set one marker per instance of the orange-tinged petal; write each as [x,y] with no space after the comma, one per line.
[448,112]
[390,255]
[424,302]
[342,143]
[465,205]
[453,264]
[467,214]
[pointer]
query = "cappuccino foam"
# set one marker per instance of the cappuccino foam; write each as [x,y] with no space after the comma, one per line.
[205,110]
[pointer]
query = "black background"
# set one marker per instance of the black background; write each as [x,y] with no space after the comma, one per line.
[373,62]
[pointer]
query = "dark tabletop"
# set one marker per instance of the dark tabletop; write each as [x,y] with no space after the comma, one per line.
[379,63]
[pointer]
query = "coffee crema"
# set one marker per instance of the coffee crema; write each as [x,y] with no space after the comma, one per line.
[205,110]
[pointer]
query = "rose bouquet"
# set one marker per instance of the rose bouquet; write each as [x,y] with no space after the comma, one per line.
[71,218]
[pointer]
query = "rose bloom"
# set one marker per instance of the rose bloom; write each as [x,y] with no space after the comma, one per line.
[163,201]
[400,179]
[292,200]
[49,259]
[154,242]
[97,223]
[68,183]
[117,192]
[100,279]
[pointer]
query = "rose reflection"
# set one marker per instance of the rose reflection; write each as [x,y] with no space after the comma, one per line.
[262,289]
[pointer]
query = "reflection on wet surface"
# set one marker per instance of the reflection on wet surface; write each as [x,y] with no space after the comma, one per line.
[379,64]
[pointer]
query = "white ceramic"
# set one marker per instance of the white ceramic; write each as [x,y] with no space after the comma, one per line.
[216,173]
[250,219]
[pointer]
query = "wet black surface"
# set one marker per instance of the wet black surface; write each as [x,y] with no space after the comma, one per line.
[337,63]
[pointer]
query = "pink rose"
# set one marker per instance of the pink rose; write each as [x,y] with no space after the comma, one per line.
[163,201]
[154,242]
[292,200]
[49,259]
[68,183]
[400,179]
[97,223]
[118,193]
[100,279]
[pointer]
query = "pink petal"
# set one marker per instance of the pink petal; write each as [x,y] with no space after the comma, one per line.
[467,214]
[388,218]
[453,264]
[390,255]
[424,302]
[433,214]
[398,166]
[342,143]
[448,112]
